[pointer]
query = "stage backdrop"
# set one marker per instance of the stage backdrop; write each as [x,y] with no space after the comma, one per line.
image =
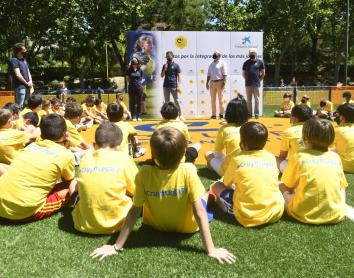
[193,52]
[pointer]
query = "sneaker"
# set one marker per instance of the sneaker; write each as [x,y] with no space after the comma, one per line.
[134,119]
[221,116]
[213,117]
[256,117]
[139,119]
[139,152]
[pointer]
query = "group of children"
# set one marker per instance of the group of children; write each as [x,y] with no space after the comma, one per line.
[167,191]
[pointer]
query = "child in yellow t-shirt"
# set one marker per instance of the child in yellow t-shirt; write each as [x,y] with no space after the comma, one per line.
[11,140]
[30,125]
[102,209]
[227,143]
[305,100]
[344,139]
[46,108]
[115,115]
[30,191]
[170,112]
[34,104]
[170,195]
[100,109]
[127,115]
[291,141]
[314,184]
[250,190]
[57,106]
[325,109]
[285,107]
[15,111]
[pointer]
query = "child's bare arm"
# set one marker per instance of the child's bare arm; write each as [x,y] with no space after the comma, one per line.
[221,254]
[283,188]
[108,250]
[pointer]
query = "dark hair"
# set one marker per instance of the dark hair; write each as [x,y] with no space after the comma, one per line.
[347,111]
[45,103]
[236,111]
[55,100]
[70,99]
[168,146]
[287,95]
[254,135]
[5,116]
[108,135]
[53,127]
[131,63]
[170,52]
[323,103]
[169,111]
[98,101]
[72,110]
[319,132]
[90,99]
[34,101]
[33,117]
[301,112]
[13,107]
[18,47]
[347,95]
[115,112]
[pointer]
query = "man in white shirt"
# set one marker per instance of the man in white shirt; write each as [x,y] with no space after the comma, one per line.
[217,73]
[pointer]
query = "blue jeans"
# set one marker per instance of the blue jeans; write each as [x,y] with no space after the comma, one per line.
[20,96]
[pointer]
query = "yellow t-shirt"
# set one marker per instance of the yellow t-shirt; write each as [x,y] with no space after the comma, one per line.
[87,110]
[102,108]
[257,198]
[125,109]
[26,185]
[344,143]
[11,142]
[127,129]
[318,178]
[43,113]
[105,176]
[328,107]
[177,124]
[25,111]
[291,141]
[287,105]
[75,137]
[307,103]
[228,139]
[58,111]
[167,197]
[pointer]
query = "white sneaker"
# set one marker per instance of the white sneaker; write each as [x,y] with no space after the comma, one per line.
[140,152]
[139,119]
[134,120]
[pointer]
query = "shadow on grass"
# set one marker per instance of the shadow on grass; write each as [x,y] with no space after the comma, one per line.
[207,173]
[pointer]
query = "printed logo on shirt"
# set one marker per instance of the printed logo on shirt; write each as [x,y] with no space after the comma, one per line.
[165,193]
[253,164]
[181,42]
[323,161]
[97,169]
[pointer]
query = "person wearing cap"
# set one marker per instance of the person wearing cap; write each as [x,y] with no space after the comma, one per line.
[305,100]
[285,107]
[216,80]
[253,71]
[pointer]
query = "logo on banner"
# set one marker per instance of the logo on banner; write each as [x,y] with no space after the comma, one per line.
[181,42]
[246,40]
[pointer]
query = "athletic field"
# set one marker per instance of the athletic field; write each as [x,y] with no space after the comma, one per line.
[52,248]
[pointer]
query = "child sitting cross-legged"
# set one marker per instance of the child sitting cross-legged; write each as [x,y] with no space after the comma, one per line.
[285,107]
[170,195]
[106,178]
[313,183]
[249,190]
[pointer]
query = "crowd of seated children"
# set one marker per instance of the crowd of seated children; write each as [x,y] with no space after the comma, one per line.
[170,117]
[325,109]
[170,195]
[228,137]
[115,115]
[285,107]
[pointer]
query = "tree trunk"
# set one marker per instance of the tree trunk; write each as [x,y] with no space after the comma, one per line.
[277,70]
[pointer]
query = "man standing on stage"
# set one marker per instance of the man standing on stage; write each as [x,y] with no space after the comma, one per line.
[217,73]
[253,71]
[21,76]
[171,72]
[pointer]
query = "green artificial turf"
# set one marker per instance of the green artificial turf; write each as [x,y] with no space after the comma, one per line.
[52,248]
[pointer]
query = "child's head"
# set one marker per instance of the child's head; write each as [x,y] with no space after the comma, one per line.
[14,108]
[347,96]
[73,112]
[323,103]
[70,99]
[318,134]
[55,103]
[253,135]
[168,146]
[35,102]
[90,101]
[119,97]
[346,113]
[169,111]
[98,102]
[287,97]
[53,127]
[236,111]
[115,112]
[46,104]
[108,135]
[31,118]
[5,118]
[301,113]
[305,98]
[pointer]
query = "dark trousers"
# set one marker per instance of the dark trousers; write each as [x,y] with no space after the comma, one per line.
[135,98]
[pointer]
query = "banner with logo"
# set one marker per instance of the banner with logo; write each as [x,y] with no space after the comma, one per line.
[193,53]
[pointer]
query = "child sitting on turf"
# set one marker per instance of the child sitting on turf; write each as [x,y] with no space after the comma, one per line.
[170,194]
[313,184]
[46,108]
[115,115]
[120,100]
[344,138]
[29,191]
[250,190]
[305,100]
[100,109]
[285,107]
[34,104]
[228,137]
[89,113]
[291,141]
[11,140]
[325,109]
[15,111]
[347,98]
[57,106]
[169,112]
[30,125]
[102,209]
